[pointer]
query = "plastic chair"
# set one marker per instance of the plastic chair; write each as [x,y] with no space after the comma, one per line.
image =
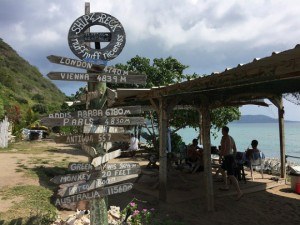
[257,160]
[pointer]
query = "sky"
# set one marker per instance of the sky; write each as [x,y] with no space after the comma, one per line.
[207,35]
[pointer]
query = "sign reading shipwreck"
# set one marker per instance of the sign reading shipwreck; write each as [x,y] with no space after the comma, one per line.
[98,77]
[109,121]
[77,37]
[95,194]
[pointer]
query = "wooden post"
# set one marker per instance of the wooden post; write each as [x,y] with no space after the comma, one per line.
[98,207]
[277,101]
[206,123]
[281,137]
[163,121]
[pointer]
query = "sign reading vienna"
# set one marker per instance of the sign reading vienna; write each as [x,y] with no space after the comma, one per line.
[116,38]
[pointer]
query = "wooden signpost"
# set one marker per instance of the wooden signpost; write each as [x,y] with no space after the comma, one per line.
[95,194]
[92,183]
[98,77]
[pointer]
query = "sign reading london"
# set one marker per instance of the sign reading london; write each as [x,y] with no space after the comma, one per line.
[77,37]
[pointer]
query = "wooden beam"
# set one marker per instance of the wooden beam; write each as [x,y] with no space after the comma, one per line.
[163,121]
[206,123]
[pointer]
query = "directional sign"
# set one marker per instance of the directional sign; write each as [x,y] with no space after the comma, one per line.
[98,77]
[103,159]
[109,121]
[91,185]
[116,189]
[92,138]
[77,166]
[118,111]
[87,65]
[68,178]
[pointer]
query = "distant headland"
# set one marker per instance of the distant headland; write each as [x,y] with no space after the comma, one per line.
[260,119]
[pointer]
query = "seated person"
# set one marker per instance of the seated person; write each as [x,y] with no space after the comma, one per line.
[133,144]
[252,153]
[195,153]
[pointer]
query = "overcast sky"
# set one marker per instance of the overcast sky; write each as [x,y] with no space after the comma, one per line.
[206,35]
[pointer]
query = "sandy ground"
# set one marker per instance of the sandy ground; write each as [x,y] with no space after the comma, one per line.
[186,199]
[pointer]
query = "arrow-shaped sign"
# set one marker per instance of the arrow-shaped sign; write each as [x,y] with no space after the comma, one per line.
[85,176]
[109,121]
[91,138]
[78,166]
[95,194]
[117,111]
[87,65]
[91,185]
[98,77]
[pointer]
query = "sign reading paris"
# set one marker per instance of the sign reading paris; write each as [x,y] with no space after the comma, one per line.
[77,37]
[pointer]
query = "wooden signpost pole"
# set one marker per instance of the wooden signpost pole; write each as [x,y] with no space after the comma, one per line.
[98,207]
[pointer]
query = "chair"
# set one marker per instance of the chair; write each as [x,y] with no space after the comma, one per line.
[240,161]
[257,160]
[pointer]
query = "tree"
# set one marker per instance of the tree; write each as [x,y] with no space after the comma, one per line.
[168,71]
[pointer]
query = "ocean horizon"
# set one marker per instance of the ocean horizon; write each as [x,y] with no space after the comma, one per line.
[267,135]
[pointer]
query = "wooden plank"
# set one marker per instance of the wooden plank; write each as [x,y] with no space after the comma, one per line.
[90,95]
[91,151]
[91,138]
[98,77]
[86,176]
[95,37]
[109,121]
[78,166]
[87,65]
[93,184]
[116,189]
[116,111]
[103,159]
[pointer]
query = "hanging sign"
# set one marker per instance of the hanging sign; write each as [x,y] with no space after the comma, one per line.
[77,37]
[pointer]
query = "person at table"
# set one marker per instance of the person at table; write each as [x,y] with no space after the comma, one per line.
[252,153]
[228,150]
[195,153]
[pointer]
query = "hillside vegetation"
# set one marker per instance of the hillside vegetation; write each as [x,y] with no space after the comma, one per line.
[23,89]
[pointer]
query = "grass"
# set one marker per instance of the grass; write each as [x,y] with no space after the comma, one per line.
[35,204]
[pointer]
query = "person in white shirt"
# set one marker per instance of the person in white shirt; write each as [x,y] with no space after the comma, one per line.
[134,144]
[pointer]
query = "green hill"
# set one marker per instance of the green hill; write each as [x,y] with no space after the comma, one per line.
[23,86]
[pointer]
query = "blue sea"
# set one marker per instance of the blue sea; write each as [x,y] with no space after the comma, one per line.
[267,135]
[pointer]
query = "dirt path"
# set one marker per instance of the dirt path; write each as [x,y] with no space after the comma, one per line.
[11,173]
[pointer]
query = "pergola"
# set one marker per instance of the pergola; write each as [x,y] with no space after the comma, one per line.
[266,78]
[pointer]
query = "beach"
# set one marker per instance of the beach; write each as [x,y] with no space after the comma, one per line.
[186,202]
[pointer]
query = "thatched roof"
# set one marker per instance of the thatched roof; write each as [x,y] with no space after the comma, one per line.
[244,84]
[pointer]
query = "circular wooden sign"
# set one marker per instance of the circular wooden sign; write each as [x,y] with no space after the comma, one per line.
[78,37]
